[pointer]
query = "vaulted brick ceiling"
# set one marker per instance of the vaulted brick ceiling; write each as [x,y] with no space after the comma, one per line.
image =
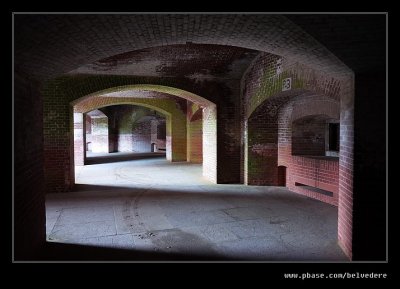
[47,46]
[197,61]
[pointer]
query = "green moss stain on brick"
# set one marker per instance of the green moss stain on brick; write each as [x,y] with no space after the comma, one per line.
[129,120]
[271,84]
[255,166]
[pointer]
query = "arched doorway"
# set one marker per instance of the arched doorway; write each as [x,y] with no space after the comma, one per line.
[176,128]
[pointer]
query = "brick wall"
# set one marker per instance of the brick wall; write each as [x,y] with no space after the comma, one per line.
[195,141]
[158,134]
[112,138]
[308,136]
[88,125]
[210,161]
[125,142]
[124,126]
[153,133]
[79,148]
[99,135]
[125,120]
[161,136]
[88,120]
[141,135]
[229,143]
[262,149]
[346,169]
[195,133]
[321,173]
[311,111]
[29,209]
[264,79]
[57,137]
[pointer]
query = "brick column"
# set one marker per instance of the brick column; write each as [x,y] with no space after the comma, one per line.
[100,135]
[210,143]
[195,138]
[262,150]
[79,139]
[345,206]
[177,139]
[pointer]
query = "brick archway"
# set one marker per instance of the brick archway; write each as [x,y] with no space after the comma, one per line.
[313,171]
[176,122]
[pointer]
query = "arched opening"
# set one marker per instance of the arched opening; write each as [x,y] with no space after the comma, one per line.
[122,131]
[314,170]
[153,147]
[97,131]
[91,135]
[190,124]
[293,131]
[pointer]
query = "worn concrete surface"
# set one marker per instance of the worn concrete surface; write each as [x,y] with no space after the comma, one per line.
[154,205]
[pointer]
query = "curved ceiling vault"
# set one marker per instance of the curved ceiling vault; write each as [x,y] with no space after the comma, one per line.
[42,51]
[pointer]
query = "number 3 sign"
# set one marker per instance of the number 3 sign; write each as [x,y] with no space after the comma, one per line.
[287,84]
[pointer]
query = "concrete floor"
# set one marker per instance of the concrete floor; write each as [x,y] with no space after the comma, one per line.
[154,205]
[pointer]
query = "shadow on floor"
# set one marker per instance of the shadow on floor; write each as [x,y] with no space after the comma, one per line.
[76,252]
[113,158]
[73,252]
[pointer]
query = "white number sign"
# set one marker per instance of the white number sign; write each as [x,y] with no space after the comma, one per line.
[287,84]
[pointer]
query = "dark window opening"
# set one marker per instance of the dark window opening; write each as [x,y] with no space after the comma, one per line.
[282,176]
[314,189]
[334,137]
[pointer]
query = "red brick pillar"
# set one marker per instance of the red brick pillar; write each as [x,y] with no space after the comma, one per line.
[79,139]
[210,143]
[195,137]
[262,150]
[345,206]
[100,135]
